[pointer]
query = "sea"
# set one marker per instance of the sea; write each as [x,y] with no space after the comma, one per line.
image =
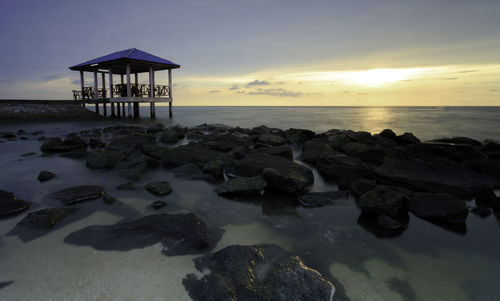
[425,261]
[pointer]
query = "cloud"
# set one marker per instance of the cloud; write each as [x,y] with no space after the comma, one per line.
[214,91]
[75,82]
[468,71]
[276,92]
[258,83]
[493,90]
[280,83]
[234,87]
[52,77]
[450,78]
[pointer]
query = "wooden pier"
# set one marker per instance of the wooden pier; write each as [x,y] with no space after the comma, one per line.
[124,98]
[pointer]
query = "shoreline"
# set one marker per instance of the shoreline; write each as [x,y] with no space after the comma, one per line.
[44,110]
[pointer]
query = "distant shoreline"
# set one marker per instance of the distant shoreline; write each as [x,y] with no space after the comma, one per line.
[44,110]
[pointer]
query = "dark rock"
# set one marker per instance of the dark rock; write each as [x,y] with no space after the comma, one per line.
[75,154]
[214,167]
[10,205]
[381,225]
[320,199]
[134,167]
[361,186]
[388,133]
[195,135]
[270,139]
[191,153]
[481,211]
[367,153]
[155,128]
[442,207]
[8,135]
[242,186]
[173,134]
[109,199]
[317,151]
[51,145]
[77,194]
[158,204]
[459,140]
[386,200]
[260,272]
[338,139]
[298,135]
[334,167]
[28,154]
[46,218]
[191,171]
[159,188]
[281,151]
[432,177]
[485,197]
[96,143]
[255,163]
[104,159]
[179,234]
[407,138]
[132,142]
[495,205]
[436,151]
[288,180]
[126,186]
[45,175]
[490,146]
[5,284]
[224,143]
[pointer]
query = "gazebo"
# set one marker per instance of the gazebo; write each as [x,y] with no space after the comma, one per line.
[125,63]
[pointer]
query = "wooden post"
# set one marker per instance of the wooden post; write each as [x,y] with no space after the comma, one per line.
[129,92]
[151,92]
[170,92]
[96,87]
[82,86]
[104,110]
[110,73]
[118,112]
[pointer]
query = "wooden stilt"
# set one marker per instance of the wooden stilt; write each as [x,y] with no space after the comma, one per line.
[113,109]
[136,110]
[152,109]
[129,109]
[97,108]
[104,110]
[123,109]
[119,113]
[170,110]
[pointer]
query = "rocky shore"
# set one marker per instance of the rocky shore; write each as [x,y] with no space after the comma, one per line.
[42,110]
[392,177]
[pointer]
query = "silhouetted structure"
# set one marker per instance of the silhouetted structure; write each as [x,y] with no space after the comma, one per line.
[125,63]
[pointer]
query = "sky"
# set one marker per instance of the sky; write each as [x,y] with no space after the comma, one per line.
[272,52]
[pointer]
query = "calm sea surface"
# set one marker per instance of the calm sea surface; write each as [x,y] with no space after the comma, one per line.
[423,262]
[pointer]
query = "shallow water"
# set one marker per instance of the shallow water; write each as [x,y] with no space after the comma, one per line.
[425,262]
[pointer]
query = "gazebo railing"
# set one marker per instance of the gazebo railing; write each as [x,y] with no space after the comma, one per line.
[120,90]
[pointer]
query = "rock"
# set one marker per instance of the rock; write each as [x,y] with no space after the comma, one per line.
[495,205]
[296,136]
[155,128]
[158,204]
[214,167]
[179,234]
[317,151]
[381,225]
[386,200]
[170,137]
[126,186]
[104,159]
[192,172]
[485,197]
[77,194]
[367,153]
[361,186]
[334,167]
[437,152]
[255,163]
[270,139]
[458,140]
[490,146]
[132,142]
[260,272]
[134,167]
[195,135]
[8,135]
[320,199]
[159,188]
[287,180]
[284,151]
[45,175]
[51,145]
[46,218]
[388,133]
[407,138]
[184,154]
[28,154]
[242,186]
[10,205]
[442,207]
[109,199]
[224,143]
[96,143]
[432,177]
[482,211]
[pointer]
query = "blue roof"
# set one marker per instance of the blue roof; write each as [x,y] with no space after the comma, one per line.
[131,54]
